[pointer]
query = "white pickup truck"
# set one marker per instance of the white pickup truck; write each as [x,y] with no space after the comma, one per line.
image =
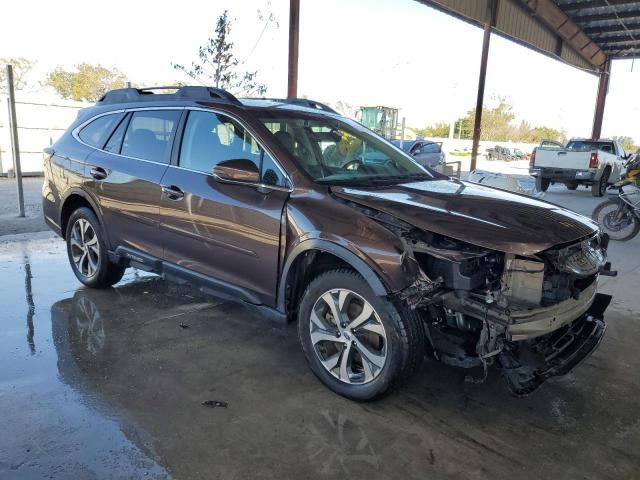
[597,163]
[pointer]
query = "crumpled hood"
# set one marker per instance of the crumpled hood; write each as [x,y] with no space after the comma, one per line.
[475,214]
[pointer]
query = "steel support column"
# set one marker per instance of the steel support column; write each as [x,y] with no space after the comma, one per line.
[603,87]
[15,144]
[491,22]
[294,30]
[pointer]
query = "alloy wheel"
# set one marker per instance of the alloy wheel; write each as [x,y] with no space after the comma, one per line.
[85,250]
[348,336]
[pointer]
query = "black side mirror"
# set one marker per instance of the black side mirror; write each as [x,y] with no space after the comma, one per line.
[237,170]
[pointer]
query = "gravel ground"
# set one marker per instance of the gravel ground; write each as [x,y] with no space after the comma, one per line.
[10,222]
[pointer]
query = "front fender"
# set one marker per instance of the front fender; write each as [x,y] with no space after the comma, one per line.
[317,223]
[339,251]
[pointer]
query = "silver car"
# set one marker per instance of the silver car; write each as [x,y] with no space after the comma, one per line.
[425,152]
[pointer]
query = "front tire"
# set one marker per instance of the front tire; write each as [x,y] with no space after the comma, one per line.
[571,185]
[358,344]
[605,214]
[87,251]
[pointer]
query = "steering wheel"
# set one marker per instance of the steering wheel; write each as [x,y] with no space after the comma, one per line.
[353,165]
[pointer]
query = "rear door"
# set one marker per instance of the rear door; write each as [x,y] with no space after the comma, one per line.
[228,232]
[126,176]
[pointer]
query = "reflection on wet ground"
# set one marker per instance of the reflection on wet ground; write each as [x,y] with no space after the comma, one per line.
[110,384]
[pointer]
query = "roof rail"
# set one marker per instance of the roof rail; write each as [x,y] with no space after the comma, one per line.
[303,102]
[130,95]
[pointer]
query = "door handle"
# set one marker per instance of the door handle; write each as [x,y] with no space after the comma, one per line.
[99,173]
[562,153]
[173,192]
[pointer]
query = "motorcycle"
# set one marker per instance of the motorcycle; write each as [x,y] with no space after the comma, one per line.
[620,218]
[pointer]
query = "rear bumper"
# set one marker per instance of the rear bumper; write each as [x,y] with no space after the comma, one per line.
[526,365]
[567,175]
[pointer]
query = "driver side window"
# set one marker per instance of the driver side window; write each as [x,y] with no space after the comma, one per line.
[210,138]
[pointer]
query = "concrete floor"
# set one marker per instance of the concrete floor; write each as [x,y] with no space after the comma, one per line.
[110,384]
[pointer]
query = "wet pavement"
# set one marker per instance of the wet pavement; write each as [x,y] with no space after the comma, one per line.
[110,384]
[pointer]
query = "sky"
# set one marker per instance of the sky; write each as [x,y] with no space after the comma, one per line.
[386,52]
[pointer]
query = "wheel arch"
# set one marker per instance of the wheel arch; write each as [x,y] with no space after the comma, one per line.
[75,199]
[326,250]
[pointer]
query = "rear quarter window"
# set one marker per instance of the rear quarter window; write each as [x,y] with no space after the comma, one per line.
[96,132]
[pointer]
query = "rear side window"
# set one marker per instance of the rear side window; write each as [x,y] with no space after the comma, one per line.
[97,131]
[115,141]
[149,135]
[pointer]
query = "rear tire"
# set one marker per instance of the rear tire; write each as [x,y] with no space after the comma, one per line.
[391,337]
[542,184]
[571,185]
[88,253]
[599,188]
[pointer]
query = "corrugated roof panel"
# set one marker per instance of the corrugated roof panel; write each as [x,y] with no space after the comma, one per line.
[516,22]
[572,57]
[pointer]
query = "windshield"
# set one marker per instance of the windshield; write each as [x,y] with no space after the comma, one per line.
[341,152]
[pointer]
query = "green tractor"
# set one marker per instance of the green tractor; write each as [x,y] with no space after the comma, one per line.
[382,120]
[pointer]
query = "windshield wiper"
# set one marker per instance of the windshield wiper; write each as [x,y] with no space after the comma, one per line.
[376,181]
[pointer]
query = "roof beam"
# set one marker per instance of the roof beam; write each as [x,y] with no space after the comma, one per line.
[625,41]
[623,52]
[548,13]
[596,17]
[611,28]
[576,6]
[616,38]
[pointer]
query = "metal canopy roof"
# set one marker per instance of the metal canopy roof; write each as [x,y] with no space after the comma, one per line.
[583,33]
[613,25]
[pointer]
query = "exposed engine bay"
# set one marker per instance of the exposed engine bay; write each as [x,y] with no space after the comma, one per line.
[532,316]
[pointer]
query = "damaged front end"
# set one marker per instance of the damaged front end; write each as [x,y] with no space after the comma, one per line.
[533,316]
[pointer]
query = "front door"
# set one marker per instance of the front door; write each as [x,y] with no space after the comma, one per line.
[228,232]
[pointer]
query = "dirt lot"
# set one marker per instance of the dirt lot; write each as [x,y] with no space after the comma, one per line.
[110,384]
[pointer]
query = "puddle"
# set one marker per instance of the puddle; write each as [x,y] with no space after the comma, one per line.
[49,429]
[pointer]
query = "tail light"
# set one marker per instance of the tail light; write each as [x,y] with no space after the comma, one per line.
[594,161]
[532,160]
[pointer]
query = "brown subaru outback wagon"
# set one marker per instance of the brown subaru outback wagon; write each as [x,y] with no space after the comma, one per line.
[310,217]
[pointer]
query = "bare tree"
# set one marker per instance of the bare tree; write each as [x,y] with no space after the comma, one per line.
[218,66]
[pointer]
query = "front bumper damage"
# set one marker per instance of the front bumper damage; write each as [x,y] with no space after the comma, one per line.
[527,364]
[536,325]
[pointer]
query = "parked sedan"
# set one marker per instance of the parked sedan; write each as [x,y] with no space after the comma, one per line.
[426,153]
